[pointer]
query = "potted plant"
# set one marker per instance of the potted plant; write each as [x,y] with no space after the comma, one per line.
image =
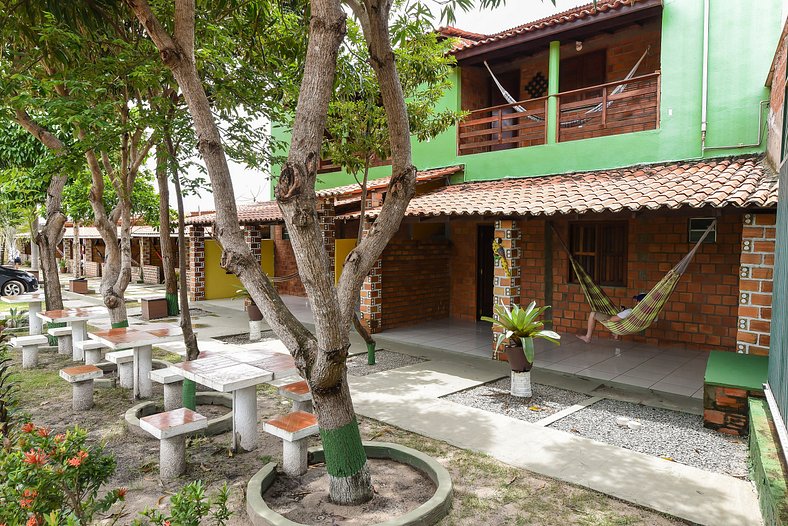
[519,327]
[251,308]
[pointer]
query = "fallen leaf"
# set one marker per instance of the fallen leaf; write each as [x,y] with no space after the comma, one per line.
[535,408]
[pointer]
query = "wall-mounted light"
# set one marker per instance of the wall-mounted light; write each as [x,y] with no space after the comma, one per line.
[578,45]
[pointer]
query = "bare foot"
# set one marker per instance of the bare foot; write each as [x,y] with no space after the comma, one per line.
[584,338]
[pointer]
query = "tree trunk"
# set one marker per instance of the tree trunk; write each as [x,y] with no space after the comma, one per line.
[189,338]
[47,240]
[34,253]
[167,254]
[76,250]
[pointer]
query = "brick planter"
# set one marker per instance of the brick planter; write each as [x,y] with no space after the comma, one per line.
[153,308]
[731,379]
[79,286]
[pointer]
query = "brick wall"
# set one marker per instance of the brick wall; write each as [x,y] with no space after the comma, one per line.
[146,249]
[703,310]
[415,282]
[92,269]
[756,273]
[463,273]
[726,409]
[88,243]
[285,264]
[328,227]
[195,272]
[507,286]
[151,274]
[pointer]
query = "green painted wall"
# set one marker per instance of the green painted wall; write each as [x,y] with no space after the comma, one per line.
[742,41]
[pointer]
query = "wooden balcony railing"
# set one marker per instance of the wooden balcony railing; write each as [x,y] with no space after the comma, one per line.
[596,111]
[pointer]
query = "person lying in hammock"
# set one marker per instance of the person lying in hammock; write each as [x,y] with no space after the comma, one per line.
[599,316]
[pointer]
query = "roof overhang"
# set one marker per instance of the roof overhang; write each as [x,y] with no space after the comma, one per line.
[579,29]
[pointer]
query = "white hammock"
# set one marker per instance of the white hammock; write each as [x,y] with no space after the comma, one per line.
[596,109]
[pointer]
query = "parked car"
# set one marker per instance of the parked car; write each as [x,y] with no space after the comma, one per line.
[13,282]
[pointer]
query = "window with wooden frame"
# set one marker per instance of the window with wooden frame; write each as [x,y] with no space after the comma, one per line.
[601,247]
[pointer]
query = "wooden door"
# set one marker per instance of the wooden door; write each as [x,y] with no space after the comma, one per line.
[485,271]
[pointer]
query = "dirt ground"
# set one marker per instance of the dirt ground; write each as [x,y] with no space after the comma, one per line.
[485,491]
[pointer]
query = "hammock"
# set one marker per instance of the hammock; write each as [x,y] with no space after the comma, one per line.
[646,311]
[576,122]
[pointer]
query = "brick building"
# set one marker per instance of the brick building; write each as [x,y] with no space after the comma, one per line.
[146,257]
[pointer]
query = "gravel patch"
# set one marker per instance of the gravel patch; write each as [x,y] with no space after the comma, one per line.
[664,433]
[242,339]
[384,361]
[495,397]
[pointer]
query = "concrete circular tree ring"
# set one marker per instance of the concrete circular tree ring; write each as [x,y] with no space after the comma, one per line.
[216,426]
[427,514]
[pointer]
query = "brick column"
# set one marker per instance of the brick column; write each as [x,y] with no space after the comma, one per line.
[755,284]
[372,295]
[506,290]
[146,245]
[195,272]
[253,234]
[88,249]
[327,217]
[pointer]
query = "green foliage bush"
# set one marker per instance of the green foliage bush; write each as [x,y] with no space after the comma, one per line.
[189,507]
[53,479]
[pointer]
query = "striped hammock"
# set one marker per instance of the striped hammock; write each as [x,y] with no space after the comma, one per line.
[646,311]
[576,122]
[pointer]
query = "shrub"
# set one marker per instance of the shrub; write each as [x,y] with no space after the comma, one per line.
[188,507]
[8,392]
[53,479]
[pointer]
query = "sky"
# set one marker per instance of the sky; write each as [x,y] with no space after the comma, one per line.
[253,186]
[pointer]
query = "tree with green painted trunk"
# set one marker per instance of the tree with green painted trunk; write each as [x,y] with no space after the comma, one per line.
[321,358]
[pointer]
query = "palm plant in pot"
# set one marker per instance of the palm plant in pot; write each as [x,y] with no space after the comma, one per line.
[519,327]
[254,313]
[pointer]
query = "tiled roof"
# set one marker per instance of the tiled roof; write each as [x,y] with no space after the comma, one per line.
[91,232]
[739,182]
[265,212]
[421,177]
[571,15]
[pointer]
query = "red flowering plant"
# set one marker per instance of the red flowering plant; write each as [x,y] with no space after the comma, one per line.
[54,479]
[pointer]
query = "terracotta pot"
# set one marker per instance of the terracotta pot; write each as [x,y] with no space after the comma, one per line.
[252,310]
[516,357]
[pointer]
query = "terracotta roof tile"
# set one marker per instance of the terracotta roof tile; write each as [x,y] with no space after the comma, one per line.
[265,212]
[571,15]
[740,182]
[375,184]
[268,211]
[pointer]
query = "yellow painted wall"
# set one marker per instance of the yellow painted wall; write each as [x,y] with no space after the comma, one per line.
[267,256]
[221,284]
[427,231]
[218,282]
[341,250]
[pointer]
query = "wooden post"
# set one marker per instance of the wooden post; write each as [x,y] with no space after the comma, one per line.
[500,126]
[557,118]
[604,107]
[659,93]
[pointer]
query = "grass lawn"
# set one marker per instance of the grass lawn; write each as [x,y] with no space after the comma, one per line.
[486,492]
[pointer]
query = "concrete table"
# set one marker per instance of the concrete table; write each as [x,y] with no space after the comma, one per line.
[225,375]
[141,342]
[34,300]
[77,318]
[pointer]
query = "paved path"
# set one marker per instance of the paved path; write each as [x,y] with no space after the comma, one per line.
[408,398]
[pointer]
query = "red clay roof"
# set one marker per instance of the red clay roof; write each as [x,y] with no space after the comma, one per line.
[571,15]
[739,182]
[376,184]
[265,212]
[268,211]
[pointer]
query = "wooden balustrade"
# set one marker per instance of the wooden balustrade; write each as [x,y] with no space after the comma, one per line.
[595,111]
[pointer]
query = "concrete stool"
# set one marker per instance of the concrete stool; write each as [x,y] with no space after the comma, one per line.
[300,394]
[293,429]
[171,428]
[64,341]
[29,346]
[88,350]
[173,387]
[81,379]
[125,362]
